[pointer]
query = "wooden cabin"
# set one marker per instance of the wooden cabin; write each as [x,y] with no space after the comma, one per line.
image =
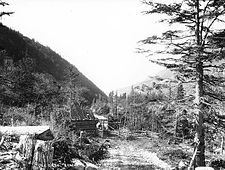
[83,120]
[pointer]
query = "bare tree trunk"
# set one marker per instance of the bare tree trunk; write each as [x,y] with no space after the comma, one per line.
[222,143]
[200,156]
[176,126]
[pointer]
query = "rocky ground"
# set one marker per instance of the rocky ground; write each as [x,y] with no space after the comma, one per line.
[136,151]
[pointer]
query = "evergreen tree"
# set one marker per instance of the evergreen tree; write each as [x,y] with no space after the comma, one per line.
[73,92]
[110,98]
[7,78]
[193,42]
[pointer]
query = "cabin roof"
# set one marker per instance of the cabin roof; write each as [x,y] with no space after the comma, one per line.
[78,114]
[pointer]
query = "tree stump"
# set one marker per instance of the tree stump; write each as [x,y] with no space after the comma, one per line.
[24,149]
[36,154]
[43,155]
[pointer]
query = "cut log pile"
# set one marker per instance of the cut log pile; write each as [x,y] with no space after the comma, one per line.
[25,151]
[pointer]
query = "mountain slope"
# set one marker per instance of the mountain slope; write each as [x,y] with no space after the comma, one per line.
[164,77]
[47,61]
[164,74]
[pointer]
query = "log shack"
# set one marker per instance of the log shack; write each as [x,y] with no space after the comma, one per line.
[84,125]
[83,120]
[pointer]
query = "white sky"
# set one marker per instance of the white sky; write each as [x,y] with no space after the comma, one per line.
[99,37]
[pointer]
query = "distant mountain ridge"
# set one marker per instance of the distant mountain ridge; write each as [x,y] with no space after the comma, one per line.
[164,74]
[47,61]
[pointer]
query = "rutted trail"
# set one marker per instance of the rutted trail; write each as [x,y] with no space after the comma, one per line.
[129,153]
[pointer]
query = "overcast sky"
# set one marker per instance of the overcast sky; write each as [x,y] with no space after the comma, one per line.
[99,37]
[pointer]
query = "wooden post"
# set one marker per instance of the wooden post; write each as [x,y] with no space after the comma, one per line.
[222,142]
[81,136]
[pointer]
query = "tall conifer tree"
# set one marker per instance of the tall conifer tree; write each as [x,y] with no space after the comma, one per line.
[194,42]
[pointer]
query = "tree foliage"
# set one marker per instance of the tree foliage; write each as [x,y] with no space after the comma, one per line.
[193,48]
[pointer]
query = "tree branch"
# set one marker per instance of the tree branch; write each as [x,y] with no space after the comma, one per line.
[210,25]
[3,3]
[6,13]
[202,23]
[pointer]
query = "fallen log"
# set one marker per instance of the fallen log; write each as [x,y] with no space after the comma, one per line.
[90,166]
[77,164]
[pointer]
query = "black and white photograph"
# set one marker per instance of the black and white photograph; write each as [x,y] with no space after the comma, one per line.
[112,84]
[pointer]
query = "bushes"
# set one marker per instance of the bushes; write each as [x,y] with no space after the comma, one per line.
[173,155]
[65,149]
[217,163]
[131,137]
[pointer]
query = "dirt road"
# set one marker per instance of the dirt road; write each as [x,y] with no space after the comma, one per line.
[134,154]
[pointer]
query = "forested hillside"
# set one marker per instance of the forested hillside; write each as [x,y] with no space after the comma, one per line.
[46,60]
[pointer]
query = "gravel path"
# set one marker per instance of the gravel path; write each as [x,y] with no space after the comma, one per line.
[126,154]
